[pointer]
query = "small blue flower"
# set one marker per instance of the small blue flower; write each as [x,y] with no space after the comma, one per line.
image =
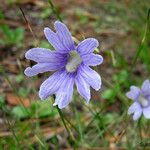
[141,98]
[70,62]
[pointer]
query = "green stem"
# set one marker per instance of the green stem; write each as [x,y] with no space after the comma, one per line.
[142,42]
[2,71]
[71,137]
[121,97]
[63,120]
[55,11]
[12,130]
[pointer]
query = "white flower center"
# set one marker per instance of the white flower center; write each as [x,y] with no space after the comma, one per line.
[74,61]
[143,101]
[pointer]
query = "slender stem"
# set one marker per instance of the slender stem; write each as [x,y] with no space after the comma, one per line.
[64,123]
[63,120]
[121,97]
[142,42]
[71,137]
[2,71]
[12,130]
[55,11]
[29,26]
[140,127]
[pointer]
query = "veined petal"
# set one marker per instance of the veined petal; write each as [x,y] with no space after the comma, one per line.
[87,46]
[134,93]
[137,114]
[52,84]
[91,76]
[64,94]
[42,67]
[146,112]
[83,87]
[43,55]
[64,35]
[146,88]
[133,108]
[92,59]
[54,40]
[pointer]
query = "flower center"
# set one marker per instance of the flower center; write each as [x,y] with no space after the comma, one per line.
[143,101]
[74,61]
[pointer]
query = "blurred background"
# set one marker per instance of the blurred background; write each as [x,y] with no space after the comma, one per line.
[28,123]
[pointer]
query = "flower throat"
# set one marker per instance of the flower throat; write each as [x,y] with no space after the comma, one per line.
[74,61]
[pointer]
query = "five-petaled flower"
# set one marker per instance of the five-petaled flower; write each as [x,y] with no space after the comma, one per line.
[141,98]
[70,62]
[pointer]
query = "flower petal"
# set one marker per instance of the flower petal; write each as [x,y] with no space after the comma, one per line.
[137,114]
[43,55]
[64,35]
[92,59]
[64,94]
[42,67]
[54,40]
[83,87]
[52,84]
[87,46]
[134,93]
[91,76]
[146,112]
[133,108]
[146,88]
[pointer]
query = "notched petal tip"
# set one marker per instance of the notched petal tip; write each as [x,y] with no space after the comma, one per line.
[101,59]
[57,22]
[62,106]
[29,54]
[28,72]
[147,81]
[136,116]
[46,31]
[99,85]
[88,100]
[41,95]
[128,94]
[94,41]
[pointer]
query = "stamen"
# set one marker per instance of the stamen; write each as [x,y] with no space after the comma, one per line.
[143,101]
[74,61]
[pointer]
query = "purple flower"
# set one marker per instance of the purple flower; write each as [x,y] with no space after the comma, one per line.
[70,62]
[141,98]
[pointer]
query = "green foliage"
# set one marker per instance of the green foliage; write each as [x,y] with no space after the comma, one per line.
[3,105]
[20,112]
[37,108]
[23,92]
[82,17]
[1,14]
[2,102]
[95,124]
[109,118]
[46,13]
[121,77]
[11,36]
[109,94]
[12,1]
[44,108]
[45,44]
[19,78]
